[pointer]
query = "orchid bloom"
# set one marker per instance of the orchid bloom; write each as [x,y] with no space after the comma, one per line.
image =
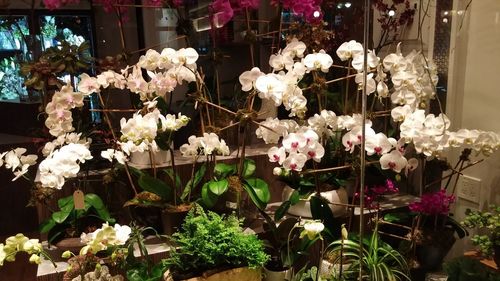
[247,79]
[318,61]
[394,161]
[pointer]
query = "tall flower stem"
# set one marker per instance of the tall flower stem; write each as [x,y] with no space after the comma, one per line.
[174,173]
[108,121]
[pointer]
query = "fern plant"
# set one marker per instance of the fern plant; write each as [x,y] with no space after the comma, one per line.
[380,262]
[210,241]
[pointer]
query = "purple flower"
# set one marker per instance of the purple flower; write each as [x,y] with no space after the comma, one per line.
[434,203]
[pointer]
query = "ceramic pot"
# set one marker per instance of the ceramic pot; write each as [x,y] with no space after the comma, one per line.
[431,254]
[172,218]
[303,207]
[235,274]
[143,159]
[271,275]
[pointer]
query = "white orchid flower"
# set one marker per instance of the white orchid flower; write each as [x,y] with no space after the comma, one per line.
[295,48]
[399,113]
[312,229]
[349,49]
[371,85]
[279,62]
[88,85]
[378,144]
[295,161]
[394,161]
[372,61]
[271,87]
[247,79]
[277,154]
[294,142]
[318,61]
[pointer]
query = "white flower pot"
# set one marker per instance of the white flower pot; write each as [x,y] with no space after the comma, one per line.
[143,159]
[270,275]
[303,207]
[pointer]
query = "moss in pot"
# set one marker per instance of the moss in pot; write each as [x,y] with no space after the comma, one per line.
[209,243]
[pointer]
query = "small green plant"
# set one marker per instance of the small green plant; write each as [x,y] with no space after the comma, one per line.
[465,269]
[70,222]
[209,241]
[226,176]
[488,221]
[379,260]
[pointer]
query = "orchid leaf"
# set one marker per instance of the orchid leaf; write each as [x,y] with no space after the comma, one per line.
[208,198]
[282,209]
[258,190]
[223,170]
[193,182]
[218,187]
[156,186]
[248,168]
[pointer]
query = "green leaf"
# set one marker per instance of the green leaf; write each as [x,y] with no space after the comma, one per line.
[156,186]
[47,225]
[208,198]
[397,217]
[218,187]
[136,172]
[282,209]
[258,190]
[163,140]
[192,183]
[94,200]
[320,210]
[223,170]
[294,197]
[248,168]
[170,173]
[65,201]
[61,216]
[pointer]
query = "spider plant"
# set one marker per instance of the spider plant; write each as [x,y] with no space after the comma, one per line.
[379,260]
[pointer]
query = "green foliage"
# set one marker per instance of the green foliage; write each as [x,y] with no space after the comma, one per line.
[11,83]
[257,189]
[283,242]
[208,241]
[379,260]
[467,269]
[68,217]
[55,61]
[488,221]
[141,268]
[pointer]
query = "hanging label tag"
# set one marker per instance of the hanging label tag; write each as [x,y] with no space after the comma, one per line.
[79,200]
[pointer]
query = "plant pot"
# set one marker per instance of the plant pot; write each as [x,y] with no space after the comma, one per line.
[271,275]
[143,159]
[235,274]
[173,217]
[329,269]
[147,216]
[303,207]
[431,253]
[496,255]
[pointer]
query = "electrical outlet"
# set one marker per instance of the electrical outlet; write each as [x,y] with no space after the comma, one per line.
[469,188]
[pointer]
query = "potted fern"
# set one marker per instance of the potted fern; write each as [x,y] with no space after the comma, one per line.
[214,247]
